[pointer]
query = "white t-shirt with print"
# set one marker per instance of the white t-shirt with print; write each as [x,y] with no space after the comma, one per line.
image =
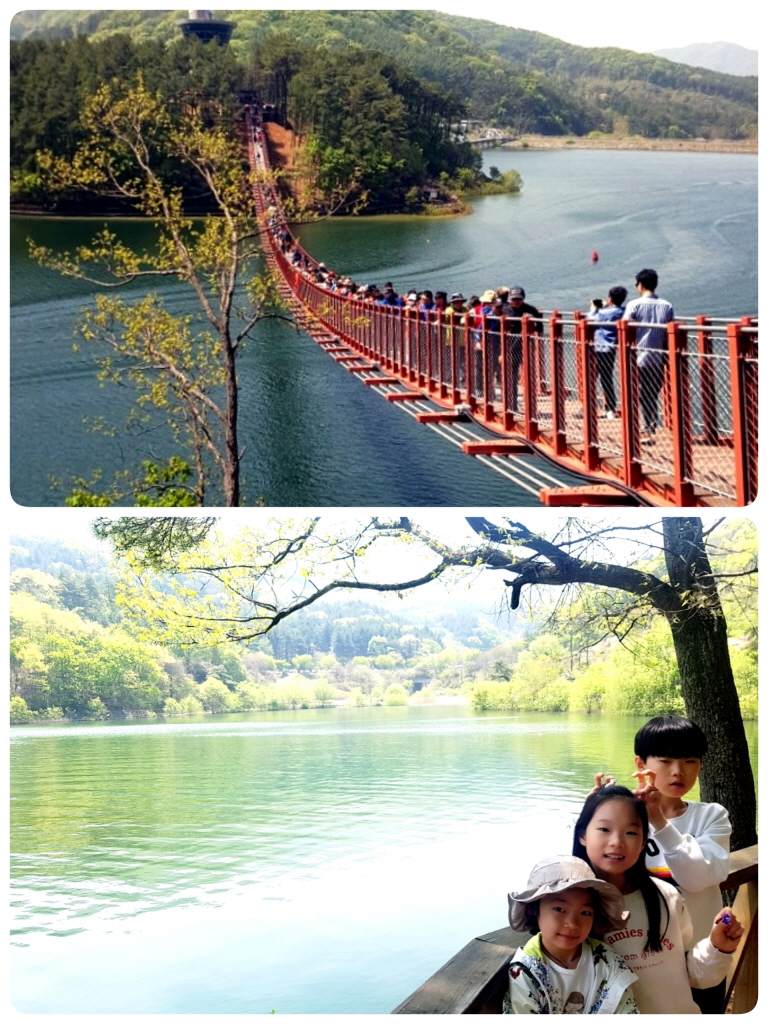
[664,979]
[570,988]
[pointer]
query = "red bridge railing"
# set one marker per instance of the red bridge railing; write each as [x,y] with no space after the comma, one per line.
[540,382]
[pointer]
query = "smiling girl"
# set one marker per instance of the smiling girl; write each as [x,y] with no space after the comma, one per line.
[657,940]
[565,968]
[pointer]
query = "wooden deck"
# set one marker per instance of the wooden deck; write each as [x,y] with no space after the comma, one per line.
[475,979]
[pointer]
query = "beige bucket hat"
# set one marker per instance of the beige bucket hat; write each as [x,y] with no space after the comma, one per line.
[555,874]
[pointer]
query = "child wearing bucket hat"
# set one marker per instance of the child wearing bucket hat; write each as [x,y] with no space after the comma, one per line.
[565,968]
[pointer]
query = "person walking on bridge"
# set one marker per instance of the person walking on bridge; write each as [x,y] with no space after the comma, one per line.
[514,332]
[646,310]
[605,342]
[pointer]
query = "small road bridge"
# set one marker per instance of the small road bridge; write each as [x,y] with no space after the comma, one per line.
[503,396]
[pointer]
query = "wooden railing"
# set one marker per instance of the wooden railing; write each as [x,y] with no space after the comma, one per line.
[475,979]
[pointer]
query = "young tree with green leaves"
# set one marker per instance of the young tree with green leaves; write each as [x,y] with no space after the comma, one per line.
[181,367]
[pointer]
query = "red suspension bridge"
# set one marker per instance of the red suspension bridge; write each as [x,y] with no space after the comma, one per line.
[501,395]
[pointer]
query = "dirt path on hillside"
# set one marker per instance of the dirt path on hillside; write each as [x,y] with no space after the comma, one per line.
[281,145]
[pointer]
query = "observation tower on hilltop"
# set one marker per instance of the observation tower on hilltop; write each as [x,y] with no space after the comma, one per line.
[203,25]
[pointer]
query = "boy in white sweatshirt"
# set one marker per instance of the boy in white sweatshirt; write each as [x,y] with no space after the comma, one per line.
[689,841]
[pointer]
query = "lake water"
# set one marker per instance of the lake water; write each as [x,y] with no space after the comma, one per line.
[305,862]
[313,434]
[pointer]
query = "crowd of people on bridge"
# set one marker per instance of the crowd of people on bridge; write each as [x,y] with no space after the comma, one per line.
[497,314]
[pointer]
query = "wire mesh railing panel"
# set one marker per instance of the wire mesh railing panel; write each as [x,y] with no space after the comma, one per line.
[569,382]
[513,364]
[608,399]
[708,439]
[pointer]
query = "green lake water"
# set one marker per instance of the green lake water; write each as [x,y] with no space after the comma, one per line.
[308,862]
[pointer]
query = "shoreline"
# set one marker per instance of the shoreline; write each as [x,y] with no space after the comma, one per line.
[748,147]
[283,154]
[531,143]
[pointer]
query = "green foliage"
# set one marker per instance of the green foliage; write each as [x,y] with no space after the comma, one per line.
[96,710]
[59,660]
[303,662]
[641,680]
[744,663]
[153,541]
[64,663]
[645,679]
[293,692]
[181,369]
[20,712]
[507,183]
[489,696]
[215,696]
[39,585]
[395,695]
[501,672]
[324,693]
[374,131]
[524,81]
[191,706]
[590,687]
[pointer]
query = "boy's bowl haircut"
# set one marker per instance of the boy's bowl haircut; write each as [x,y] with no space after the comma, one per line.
[670,736]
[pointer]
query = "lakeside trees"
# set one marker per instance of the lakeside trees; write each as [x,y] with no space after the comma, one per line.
[687,597]
[51,81]
[350,645]
[67,662]
[187,592]
[371,129]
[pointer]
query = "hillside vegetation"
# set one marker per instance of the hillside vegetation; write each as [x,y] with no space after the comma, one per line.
[521,80]
[72,657]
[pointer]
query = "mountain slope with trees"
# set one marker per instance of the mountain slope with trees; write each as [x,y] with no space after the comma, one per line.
[526,81]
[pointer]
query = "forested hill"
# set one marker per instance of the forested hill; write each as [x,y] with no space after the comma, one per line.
[521,80]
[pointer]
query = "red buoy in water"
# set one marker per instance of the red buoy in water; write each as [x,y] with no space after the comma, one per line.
[595,257]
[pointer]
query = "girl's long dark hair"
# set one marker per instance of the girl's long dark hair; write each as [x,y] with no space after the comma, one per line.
[637,876]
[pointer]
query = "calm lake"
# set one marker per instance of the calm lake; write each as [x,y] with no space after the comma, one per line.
[304,862]
[313,435]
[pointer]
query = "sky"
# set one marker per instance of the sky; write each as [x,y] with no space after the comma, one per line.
[607,23]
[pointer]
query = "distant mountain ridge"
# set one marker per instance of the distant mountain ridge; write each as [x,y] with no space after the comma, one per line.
[727,58]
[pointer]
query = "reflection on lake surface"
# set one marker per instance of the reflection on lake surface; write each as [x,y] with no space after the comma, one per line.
[309,862]
[313,435]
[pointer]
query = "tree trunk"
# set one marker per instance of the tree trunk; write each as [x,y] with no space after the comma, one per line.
[232,452]
[709,691]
